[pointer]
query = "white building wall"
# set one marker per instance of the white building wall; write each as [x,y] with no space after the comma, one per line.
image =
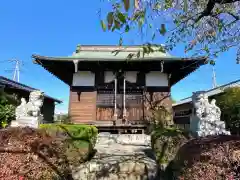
[156,79]
[83,78]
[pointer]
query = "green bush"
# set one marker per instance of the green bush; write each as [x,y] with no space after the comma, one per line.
[76,131]
[8,105]
[229,103]
[166,142]
[79,139]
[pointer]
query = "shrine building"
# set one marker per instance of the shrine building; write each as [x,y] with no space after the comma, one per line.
[113,92]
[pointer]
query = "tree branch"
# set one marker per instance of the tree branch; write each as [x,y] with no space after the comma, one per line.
[225,1]
[237,18]
[210,6]
[207,11]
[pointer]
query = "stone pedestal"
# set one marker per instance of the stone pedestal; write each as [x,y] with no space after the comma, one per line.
[212,128]
[32,122]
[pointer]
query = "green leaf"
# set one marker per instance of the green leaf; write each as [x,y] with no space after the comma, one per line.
[168,4]
[110,20]
[117,24]
[127,28]
[206,49]
[162,30]
[126,4]
[185,8]
[212,62]
[140,22]
[121,17]
[217,10]
[103,25]
[157,6]
[220,26]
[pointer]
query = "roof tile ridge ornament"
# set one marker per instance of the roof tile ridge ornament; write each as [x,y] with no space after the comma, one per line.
[78,49]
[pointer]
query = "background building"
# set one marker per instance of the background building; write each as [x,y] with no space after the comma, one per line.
[183,108]
[23,91]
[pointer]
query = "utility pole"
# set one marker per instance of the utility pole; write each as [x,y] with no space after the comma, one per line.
[214,81]
[16,70]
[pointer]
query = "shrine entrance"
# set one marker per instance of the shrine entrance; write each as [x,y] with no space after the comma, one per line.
[121,101]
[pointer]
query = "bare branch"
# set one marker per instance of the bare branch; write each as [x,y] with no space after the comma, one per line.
[237,18]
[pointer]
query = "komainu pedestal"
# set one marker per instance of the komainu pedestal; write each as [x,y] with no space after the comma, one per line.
[206,118]
[29,114]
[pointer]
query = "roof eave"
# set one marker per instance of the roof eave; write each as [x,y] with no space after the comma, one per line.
[23,87]
[38,58]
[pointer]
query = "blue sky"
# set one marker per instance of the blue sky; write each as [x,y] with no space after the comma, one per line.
[54,28]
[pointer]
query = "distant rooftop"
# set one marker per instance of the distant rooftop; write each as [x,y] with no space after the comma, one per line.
[5,82]
[211,92]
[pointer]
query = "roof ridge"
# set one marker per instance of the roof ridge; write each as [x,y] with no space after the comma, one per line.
[101,48]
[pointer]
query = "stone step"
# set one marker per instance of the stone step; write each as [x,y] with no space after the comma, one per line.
[115,161]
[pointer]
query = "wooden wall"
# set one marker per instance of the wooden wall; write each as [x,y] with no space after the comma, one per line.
[82,106]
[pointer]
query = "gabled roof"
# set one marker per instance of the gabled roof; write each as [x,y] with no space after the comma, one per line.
[5,82]
[211,92]
[95,56]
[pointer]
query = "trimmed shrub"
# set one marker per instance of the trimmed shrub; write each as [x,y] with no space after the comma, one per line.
[212,157]
[32,154]
[75,131]
[166,143]
[80,139]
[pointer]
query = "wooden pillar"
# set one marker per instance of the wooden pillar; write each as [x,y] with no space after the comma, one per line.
[115,99]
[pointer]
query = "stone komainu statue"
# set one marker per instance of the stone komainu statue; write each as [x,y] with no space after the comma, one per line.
[206,118]
[32,108]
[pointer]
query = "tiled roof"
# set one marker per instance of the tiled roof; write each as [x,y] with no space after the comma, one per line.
[211,92]
[91,57]
[106,53]
[16,85]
